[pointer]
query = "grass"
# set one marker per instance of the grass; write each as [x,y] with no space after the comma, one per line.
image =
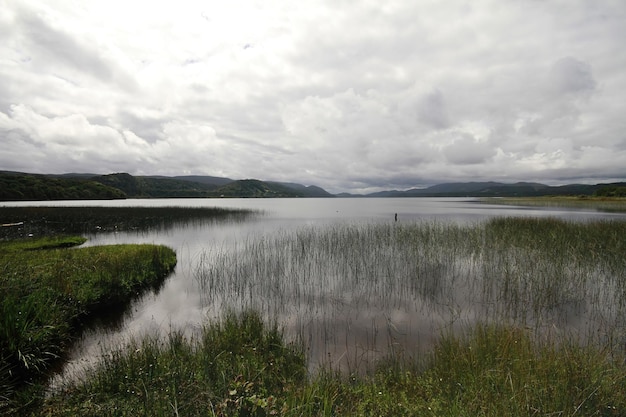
[241,367]
[48,291]
[355,292]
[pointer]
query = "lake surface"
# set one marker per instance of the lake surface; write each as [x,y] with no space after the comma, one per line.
[183,302]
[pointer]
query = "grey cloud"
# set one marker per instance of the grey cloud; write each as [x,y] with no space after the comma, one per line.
[432,110]
[147,127]
[571,76]
[52,45]
[466,150]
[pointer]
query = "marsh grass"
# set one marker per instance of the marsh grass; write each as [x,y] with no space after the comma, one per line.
[48,291]
[239,366]
[355,292]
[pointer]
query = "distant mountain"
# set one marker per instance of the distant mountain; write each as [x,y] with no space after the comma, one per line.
[306,191]
[76,186]
[155,187]
[257,189]
[496,189]
[205,179]
[198,186]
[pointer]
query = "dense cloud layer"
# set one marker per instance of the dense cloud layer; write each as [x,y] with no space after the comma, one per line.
[350,96]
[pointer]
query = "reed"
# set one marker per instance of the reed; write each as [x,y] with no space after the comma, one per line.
[343,287]
[239,366]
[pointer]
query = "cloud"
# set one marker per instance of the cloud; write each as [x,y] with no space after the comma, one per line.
[466,150]
[347,96]
[570,76]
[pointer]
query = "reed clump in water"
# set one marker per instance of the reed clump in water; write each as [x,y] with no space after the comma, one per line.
[396,286]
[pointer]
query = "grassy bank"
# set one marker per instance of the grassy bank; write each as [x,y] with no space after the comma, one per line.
[241,367]
[48,291]
[609,204]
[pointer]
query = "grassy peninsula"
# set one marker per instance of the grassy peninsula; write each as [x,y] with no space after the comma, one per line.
[49,291]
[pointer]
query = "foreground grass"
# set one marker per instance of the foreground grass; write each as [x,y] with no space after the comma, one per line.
[49,290]
[241,367]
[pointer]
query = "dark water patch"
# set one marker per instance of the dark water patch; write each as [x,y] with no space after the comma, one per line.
[20,222]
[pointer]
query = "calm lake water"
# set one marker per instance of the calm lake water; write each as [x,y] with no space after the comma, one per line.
[182,304]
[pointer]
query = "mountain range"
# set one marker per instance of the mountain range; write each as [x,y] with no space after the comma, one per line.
[18,186]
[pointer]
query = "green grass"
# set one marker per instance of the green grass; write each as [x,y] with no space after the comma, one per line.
[241,367]
[49,290]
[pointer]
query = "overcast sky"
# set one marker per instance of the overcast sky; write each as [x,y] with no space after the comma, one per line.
[348,95]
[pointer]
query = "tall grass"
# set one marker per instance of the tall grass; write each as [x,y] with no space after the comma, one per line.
[355,292]
[238,366]
[241,367]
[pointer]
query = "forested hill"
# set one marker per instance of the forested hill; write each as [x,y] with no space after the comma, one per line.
[23,187]
[519,189]
[200,187]
[32,187]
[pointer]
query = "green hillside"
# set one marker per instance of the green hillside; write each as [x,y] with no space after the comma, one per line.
[256,189]
[155,187]
[32,187]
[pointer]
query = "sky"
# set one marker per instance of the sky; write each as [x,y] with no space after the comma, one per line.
[352,96]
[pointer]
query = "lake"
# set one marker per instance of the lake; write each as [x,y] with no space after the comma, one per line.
[342,324]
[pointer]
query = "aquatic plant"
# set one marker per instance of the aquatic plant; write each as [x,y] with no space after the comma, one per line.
[359,291]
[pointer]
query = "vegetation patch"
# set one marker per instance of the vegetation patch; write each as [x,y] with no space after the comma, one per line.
[237,367]
[47,292]
[242,367]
